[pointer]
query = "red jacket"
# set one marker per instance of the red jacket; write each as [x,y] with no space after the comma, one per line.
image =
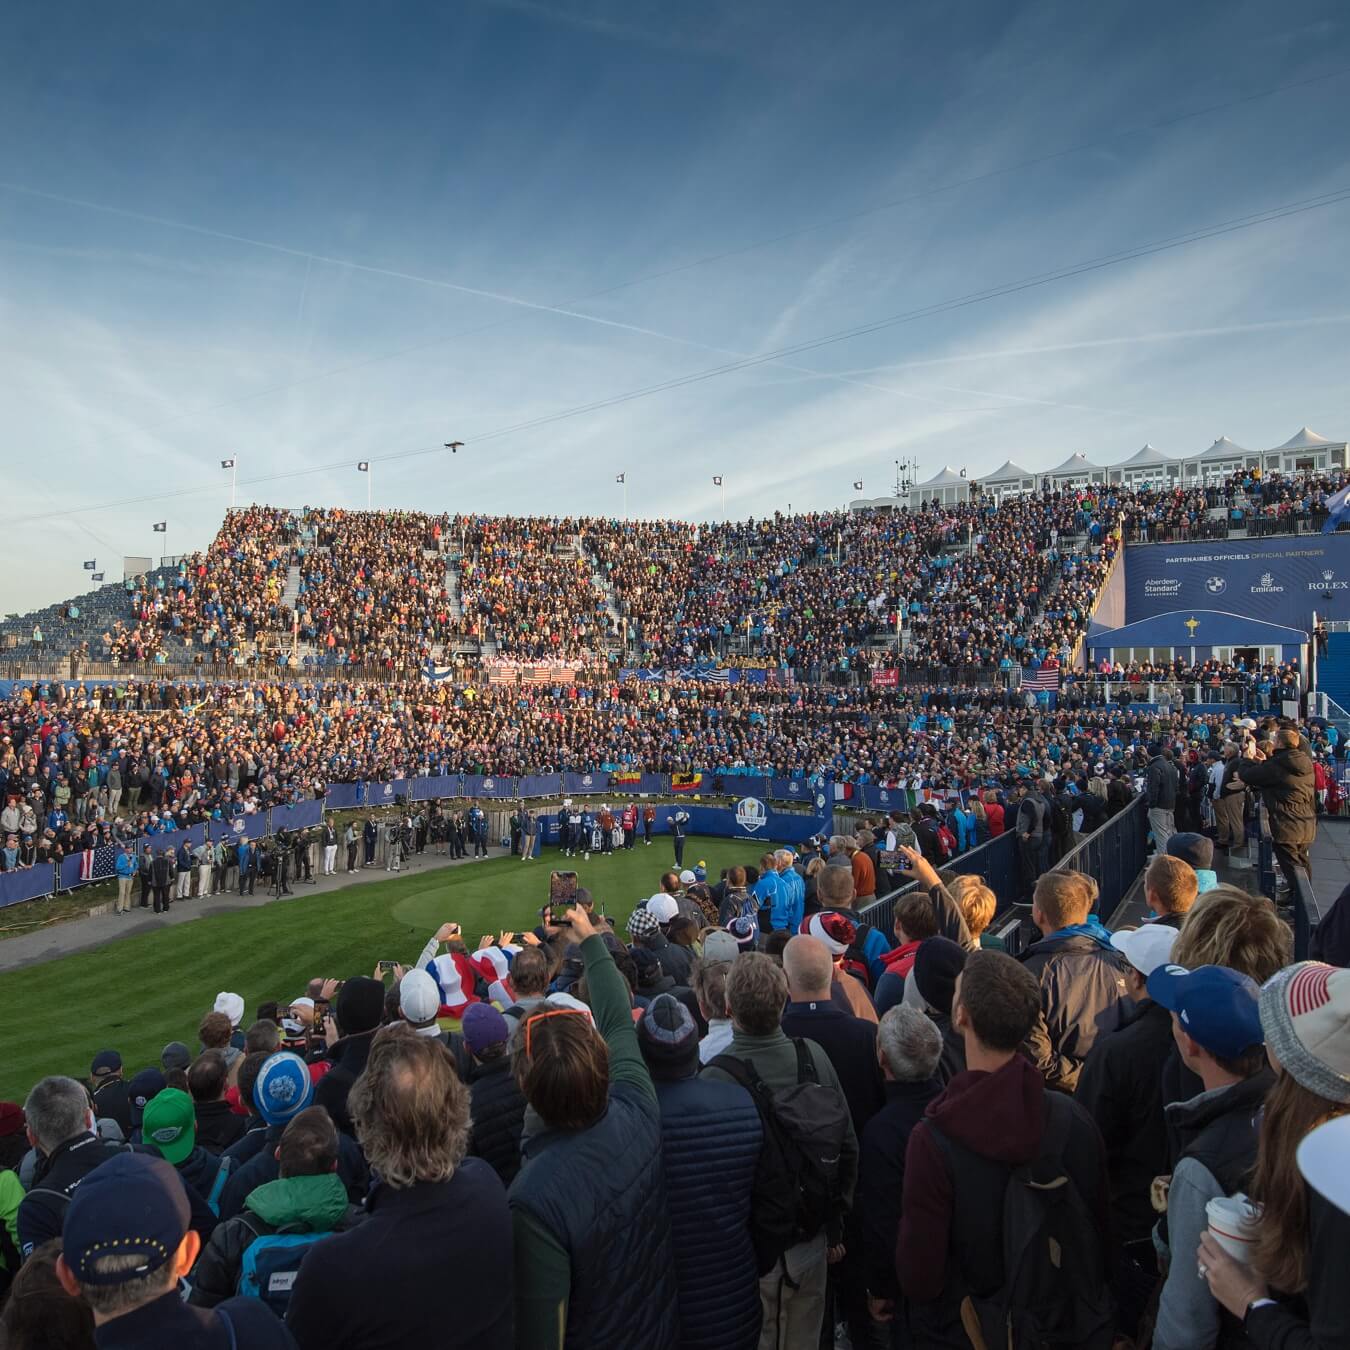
[993,813]
[900,960]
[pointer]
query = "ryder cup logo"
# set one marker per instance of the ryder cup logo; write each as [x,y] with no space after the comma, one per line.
[386,790]
[1215,585]
[751,814]
[794,788]
[237,825]
[1267,586]
[586,780]
[488,785]
[820,801]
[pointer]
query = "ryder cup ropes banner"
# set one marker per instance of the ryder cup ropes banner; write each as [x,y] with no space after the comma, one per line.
[1280,580]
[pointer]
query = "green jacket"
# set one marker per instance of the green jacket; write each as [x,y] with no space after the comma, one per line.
[292,1204]
[11,1193]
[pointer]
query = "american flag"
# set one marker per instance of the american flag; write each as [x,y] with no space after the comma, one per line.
[1044,680]
[98,862]
[537,674]
[502,675]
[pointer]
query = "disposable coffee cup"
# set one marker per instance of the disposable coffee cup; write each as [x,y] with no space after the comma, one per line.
[1232,1224]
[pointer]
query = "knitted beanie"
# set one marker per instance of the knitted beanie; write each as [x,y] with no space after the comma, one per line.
[1305,1013]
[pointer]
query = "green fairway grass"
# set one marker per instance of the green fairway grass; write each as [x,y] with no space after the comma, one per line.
[137,994]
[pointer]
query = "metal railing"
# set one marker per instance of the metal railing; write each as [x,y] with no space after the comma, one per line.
[1113,855]
[1307,907]
[995,861]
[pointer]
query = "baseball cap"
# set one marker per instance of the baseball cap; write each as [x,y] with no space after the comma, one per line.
[1192,848]
[1218,1008]
[483,1026]
[175,1055]
[687,878]
[663,908]
[419,1000]
[1148,947]
[132,1205]
[232,1006]
[145,1085]
[720,946]
[105,1062]
[283,1089]
[170,1124]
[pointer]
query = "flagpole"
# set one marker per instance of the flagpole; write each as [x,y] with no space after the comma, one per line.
[370,477]
[724,499]
[625,496]
[234,469]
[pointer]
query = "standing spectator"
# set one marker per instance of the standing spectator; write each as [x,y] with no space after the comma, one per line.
[126,1245]
[710,988]
[1301,1236]
[1217,1027]
[306,1202]
[1120,1087]
[1229,799]
[433,1210]
[359,1011]
[161,874]
[1083,993]
[60,1127]
[708,1190]
[496,1106]
[1162,783]
[330,846]
[349,838]
[908,1048]
[792,1289]
[1197,852]
[992,1119]
[1170,888]
[38,1314]
[126,876]
[595,1269]
[1285,782]
[112,1100]
[1030,826]
[169,1129]
[208,1081]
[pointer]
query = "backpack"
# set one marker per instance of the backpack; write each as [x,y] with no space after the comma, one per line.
[854,960]
[1055,1289]
[270,1266]
[797,1189]
[1060,821]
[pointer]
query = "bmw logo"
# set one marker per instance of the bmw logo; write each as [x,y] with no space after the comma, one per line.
[1215,585]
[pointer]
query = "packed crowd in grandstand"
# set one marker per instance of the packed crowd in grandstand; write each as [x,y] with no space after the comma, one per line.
[755,1115]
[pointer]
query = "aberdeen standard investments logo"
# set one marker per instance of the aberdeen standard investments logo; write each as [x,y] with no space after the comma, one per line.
[751,814]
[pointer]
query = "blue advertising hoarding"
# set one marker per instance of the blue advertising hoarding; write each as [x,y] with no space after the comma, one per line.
[1281,580]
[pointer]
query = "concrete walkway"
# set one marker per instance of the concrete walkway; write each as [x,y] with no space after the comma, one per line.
[79,935]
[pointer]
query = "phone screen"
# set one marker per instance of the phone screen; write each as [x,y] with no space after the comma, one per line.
[891,858]
[387,966]
[562,887]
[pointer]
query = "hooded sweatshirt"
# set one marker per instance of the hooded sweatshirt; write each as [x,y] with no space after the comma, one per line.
[999,1117]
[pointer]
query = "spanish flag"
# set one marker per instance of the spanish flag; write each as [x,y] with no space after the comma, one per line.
[686,782]
[626,778]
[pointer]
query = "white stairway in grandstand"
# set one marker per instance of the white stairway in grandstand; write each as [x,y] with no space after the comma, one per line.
[453,591]
[291,594]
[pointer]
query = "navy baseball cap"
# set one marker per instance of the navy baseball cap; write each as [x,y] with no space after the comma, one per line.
[146,1085]
[105,1063]
[1218,1008]
[131,1205]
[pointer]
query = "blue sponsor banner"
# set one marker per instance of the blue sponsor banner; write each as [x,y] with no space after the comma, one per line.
[344,796]
[789,789]
[577,784]
[540,785]
[240,827]
[487,785]
[26,885]
[301,816]
[194,836]
[1281,580]
[883,799]
[384,794]
[442,785]
[751,818]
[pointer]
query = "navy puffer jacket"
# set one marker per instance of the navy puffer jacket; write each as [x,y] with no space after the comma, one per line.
[710,1141]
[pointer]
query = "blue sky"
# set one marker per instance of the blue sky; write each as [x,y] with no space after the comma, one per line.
[305,235]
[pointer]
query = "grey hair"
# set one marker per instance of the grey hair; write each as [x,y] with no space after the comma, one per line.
[782,855]
[57,1109]
[838,843]
[111,1300]
[910,1043]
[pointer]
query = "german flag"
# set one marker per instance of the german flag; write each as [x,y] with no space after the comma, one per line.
[686,782]
[626,778]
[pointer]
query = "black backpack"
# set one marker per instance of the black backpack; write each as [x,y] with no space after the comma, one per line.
[1055,1288]
[855,957]
[797,1189]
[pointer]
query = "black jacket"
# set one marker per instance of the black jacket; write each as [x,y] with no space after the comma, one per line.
[1120,1087]
[850,1045]
[409,1244]
[497,1112]
[881,1177]
[1083,996]
[1286,784]
[42,1212]
[1161,783]
[348,1057]
[218,1127]
[168,1321]
[113,1102]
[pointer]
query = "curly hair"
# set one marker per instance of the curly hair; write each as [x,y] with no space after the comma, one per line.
[410,1109]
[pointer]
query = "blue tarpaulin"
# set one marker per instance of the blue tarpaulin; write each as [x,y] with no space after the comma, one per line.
[26,885]
[301,816]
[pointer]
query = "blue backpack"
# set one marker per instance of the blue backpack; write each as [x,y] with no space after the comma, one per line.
[271,1264]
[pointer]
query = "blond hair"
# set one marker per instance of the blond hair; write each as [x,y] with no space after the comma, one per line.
[1229,927]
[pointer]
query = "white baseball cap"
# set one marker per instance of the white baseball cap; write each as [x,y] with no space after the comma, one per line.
[662,908]
[687,878]
[1146,948]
